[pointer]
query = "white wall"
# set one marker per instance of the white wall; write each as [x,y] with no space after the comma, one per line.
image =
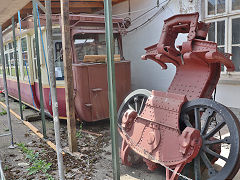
[148,74]
[229,95]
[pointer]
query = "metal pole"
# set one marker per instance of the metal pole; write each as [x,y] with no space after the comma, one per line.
[39,68]
[52,77]
[2,177]
[112,88]
[5,89]
[16,67]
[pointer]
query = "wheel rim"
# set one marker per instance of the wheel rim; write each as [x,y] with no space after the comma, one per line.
[136,101]
[219,128]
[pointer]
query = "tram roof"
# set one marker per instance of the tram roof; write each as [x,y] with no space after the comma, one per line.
[9,8]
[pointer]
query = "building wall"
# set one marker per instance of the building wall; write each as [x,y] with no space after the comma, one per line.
[148,74]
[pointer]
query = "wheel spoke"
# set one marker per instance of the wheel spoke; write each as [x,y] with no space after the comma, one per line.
[197,118]
[215,130]
[207,117]
[209,151]
[226,140]
[197,169]
[141,106]
[211,170]
[136,103]
[186,120]
[130,107]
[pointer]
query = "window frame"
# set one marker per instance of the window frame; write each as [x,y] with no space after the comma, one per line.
[228,15]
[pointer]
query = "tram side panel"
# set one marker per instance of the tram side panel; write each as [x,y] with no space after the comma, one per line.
[91,89]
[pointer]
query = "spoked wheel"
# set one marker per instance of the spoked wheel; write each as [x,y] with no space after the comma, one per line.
[135,101]
[219,156]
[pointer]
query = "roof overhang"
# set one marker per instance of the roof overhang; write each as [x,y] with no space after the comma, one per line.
[9,8]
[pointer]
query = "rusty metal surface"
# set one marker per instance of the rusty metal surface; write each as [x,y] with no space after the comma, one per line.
[91,90]
[155,133]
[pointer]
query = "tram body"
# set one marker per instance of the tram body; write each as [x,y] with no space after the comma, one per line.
[89,66]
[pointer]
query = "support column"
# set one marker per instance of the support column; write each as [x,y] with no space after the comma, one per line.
[16,67]
[52,77]
[39,69]
[112,88]
[68,76]
[5,89]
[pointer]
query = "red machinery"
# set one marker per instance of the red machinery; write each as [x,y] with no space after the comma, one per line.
[184,124]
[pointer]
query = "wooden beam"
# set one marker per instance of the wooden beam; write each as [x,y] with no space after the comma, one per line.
[72,4]
[68,76]
[81,1]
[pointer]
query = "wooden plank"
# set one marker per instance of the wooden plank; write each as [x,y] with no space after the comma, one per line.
[73,4]
[33,128]
[99,58]
[68,76]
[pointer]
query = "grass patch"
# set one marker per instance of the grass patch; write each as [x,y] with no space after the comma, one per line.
[3,112]
[36,164]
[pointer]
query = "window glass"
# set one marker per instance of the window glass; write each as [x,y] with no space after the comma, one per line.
[211,7]
[211,32]
[7,64]
[235,57]
[220,6]
[34,54]
[221,32]
[235,31]
[24,44]
[91,44]
[235,4]
[25,57]
[10,46]
[59,69]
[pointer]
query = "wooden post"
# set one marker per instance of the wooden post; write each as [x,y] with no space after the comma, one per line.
[68,75]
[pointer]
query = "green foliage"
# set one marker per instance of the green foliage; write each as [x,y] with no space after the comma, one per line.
[79,132]
[37,165]
[23,107]
[3,112]
[5,168]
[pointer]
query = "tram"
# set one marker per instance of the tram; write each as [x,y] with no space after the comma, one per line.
[88,64]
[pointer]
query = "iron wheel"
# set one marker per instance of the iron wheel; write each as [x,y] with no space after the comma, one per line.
[136,101]
[220,131]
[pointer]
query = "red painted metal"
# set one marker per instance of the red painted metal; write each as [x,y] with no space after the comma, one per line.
[156,130]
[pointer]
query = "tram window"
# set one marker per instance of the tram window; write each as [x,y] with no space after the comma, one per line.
[35,58]
[7,64]
[91,44]
[10,46]
[25,56]
[59,69]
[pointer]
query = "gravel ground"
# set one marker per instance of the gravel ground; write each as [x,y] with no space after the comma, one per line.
[93,160]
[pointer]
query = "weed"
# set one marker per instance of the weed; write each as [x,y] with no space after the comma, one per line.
[3,112]
[37,165]
[23,107]
[79,132]
[6,168]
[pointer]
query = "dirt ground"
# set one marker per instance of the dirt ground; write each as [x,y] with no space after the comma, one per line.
[93,160]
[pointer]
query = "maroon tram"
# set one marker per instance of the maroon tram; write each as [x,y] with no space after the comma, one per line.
[89,67]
